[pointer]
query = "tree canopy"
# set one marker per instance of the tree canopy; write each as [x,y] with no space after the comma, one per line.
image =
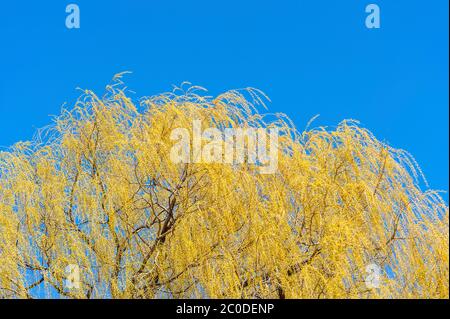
[98,189]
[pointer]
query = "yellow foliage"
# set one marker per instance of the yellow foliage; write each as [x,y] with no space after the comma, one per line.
[100,191]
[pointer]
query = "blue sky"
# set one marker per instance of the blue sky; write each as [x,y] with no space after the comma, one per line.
[311,57]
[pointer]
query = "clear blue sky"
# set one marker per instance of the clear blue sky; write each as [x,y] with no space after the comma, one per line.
[311,57]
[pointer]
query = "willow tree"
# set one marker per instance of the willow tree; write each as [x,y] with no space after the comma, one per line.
[98,190]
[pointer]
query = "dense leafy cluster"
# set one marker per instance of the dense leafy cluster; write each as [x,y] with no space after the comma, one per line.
[98,190]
